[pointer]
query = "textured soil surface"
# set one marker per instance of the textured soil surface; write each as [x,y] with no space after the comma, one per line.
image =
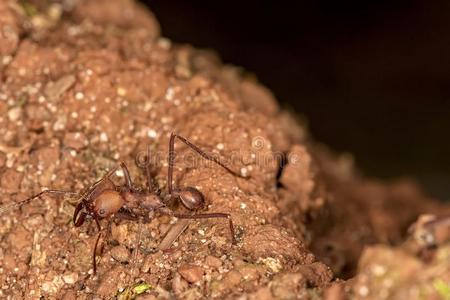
[87,84]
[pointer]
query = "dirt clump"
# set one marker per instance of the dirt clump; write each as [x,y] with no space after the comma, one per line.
[87,84]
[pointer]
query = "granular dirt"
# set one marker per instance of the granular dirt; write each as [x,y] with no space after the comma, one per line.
[86,84]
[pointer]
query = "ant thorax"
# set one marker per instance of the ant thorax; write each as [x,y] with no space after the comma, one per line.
[135,201]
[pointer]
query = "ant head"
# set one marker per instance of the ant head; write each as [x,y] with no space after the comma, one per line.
[107,203]
[191,198]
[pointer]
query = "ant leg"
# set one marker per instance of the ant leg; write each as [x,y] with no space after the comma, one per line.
[127,176]
[25,201]
[134,258]
[202,153]
[210,216]
[148,173]
[94,188]
[94,262]
[170,163]
[123,215]
[151,186]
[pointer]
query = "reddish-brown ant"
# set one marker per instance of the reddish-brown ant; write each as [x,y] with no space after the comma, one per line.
[105,200]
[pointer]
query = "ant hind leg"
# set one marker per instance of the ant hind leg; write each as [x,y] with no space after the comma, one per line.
[196,149]
[211,216]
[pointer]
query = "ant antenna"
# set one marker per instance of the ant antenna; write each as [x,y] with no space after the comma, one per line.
[18,204]
[25,201]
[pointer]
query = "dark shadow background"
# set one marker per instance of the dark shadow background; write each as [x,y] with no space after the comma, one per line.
[371,76]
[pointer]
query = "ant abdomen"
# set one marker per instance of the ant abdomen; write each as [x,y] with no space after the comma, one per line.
[191,198]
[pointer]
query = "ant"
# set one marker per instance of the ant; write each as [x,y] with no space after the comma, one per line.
[430,231]
[105,200]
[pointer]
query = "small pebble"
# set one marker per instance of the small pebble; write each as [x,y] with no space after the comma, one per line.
[232,278]
[249,272]
[213,261]
[190,273]
[121,91]
[11,180]
[79,96]
[9,263]
[55,89]
[75,140]
[261,294]
[2,159]
[179,284]
[70,278]
[14,114]
[121,254]
[335,292]
[70,295]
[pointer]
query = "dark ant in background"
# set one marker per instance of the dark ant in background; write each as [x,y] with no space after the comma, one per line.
[105,200]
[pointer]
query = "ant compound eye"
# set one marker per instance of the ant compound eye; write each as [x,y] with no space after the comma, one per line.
[102,212]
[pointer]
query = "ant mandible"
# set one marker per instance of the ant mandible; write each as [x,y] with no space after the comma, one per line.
[105,200]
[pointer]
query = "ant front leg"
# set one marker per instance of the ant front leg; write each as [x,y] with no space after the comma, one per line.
[151,184]
[99,235]
[94,253]
[127,176]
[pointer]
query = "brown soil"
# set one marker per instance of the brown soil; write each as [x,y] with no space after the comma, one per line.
[88,84]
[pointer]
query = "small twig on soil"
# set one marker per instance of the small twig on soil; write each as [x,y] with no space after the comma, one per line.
[173,234]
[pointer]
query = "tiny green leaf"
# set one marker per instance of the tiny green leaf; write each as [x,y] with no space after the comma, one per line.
[30,9]
[141,288]
[442,288]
